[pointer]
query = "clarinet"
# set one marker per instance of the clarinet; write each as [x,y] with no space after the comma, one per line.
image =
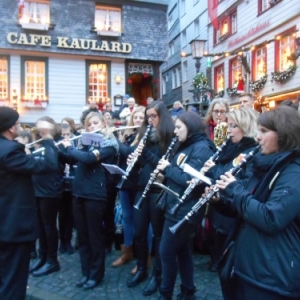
[134,160]
[195,209]
[195,182]
[155,174]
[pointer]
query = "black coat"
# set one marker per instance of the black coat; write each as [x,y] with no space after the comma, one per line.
[18,218]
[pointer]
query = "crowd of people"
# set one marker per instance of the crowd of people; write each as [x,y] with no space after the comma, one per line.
[56,187]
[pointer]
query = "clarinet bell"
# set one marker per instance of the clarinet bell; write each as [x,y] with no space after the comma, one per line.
[174,209]
[120,184]
[178,226]
[138,205]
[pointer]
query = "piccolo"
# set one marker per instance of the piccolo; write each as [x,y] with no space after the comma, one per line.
[155,174]
[136,156]
[195,209]
[196,181]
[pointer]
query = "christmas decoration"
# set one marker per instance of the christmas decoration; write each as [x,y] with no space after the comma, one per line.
[258,84]
[294,55]
[274,2]
[284,76]
[220,94]
[223,37]
[231,92]
[240,85]
[200,81]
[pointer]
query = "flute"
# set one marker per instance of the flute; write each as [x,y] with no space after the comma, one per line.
[195,181]
[155,174]
[195,209]
[136,156]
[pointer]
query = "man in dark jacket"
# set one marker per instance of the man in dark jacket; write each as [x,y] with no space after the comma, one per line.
[18,219]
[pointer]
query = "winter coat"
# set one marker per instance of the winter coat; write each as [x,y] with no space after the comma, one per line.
[267,246]
[175,112]
[195,151]
[18,217]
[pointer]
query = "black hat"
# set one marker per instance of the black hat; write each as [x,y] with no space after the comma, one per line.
[8,118]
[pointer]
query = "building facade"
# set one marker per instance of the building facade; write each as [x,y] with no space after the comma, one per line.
[58,55]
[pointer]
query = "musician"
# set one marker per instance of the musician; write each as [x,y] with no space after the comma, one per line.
[161,134]
[267,259]
[194,148]
[216,113]
[48,189]
[90,194]
[18,218]
[242,130]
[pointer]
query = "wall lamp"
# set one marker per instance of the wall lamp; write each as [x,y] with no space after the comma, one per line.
[118,79]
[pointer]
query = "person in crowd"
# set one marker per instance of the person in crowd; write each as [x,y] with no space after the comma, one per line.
[177,109]
[71,123]
[48,191]
[124,104]
[18,218]
[24,138]
[242,130]
[90,195]
[161,133]
[127,111]
[108,109]
[289,103]
[216,113]
[267,253]
[192,108]
[246,100]
[149,100]
[127,191]
[194,149]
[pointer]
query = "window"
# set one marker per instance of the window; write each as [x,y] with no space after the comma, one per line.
[3,78]
[171,48]
[219,78]
[172,17]
[259,63]
[182,7]
[286,47]
[34,79]
[263,5]
[197,27]
[185,71]
[164,84]
[34,14]
[183,38]
[235,72]
[108,20]
[98,74]
[176,77]
[227,27]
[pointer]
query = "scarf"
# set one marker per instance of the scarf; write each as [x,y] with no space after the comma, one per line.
[211,126]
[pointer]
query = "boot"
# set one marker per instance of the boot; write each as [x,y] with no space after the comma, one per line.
[186,294]
[164,295]
[152,285]
[149,262]
[140,276]
[126,256]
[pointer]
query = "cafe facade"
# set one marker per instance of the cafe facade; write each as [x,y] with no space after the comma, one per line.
[57,56]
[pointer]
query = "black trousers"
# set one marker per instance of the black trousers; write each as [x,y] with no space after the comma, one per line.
[142,218]
[14,266]
[48,234]
[65,217]
[89,216]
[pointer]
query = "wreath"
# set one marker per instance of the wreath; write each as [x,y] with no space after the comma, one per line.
[284,76]
[200,81]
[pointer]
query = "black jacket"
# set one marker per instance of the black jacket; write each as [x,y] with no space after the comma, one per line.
[18,218]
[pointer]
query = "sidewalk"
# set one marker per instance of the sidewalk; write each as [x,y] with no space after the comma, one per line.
[61,285]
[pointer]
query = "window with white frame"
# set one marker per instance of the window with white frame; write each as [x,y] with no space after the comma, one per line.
[233,23]
[286,47]
[97,82]
[171,48]
[164,84]
[185,71]
[263,5]
[260,63]
[108,20]
[34,12]
[176,77]
[197,27]
[172,16]
[226,27]
[183,38]
[34,79]
[235,72]
[3,78]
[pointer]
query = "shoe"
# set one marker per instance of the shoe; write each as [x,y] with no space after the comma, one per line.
[149,262]
[90,284]
[125,257]
[46,269]
[37,264]
[140,276]
[62,248]
[69,248]
[81,281]
[152,285]
[33,255]
[186,294]
[164,295]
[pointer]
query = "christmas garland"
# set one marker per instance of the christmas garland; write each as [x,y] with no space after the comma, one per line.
[284,76]
[200,81]
[223,37]
[220,94]
[274,2]
[231,92]
[258,84]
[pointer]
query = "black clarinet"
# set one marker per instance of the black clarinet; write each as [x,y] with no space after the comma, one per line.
[134,160]
[153,176]
[195,209]
[195,182]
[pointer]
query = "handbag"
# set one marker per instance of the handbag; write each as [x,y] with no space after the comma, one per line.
[226,262]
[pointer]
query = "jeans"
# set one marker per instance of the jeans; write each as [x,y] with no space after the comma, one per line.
[175,253]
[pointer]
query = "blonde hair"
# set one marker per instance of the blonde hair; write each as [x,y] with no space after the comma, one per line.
[221,101]
[105,130]
[246,119]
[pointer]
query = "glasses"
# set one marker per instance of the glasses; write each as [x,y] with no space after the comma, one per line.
[232,126]
[153,116]
[221,112]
